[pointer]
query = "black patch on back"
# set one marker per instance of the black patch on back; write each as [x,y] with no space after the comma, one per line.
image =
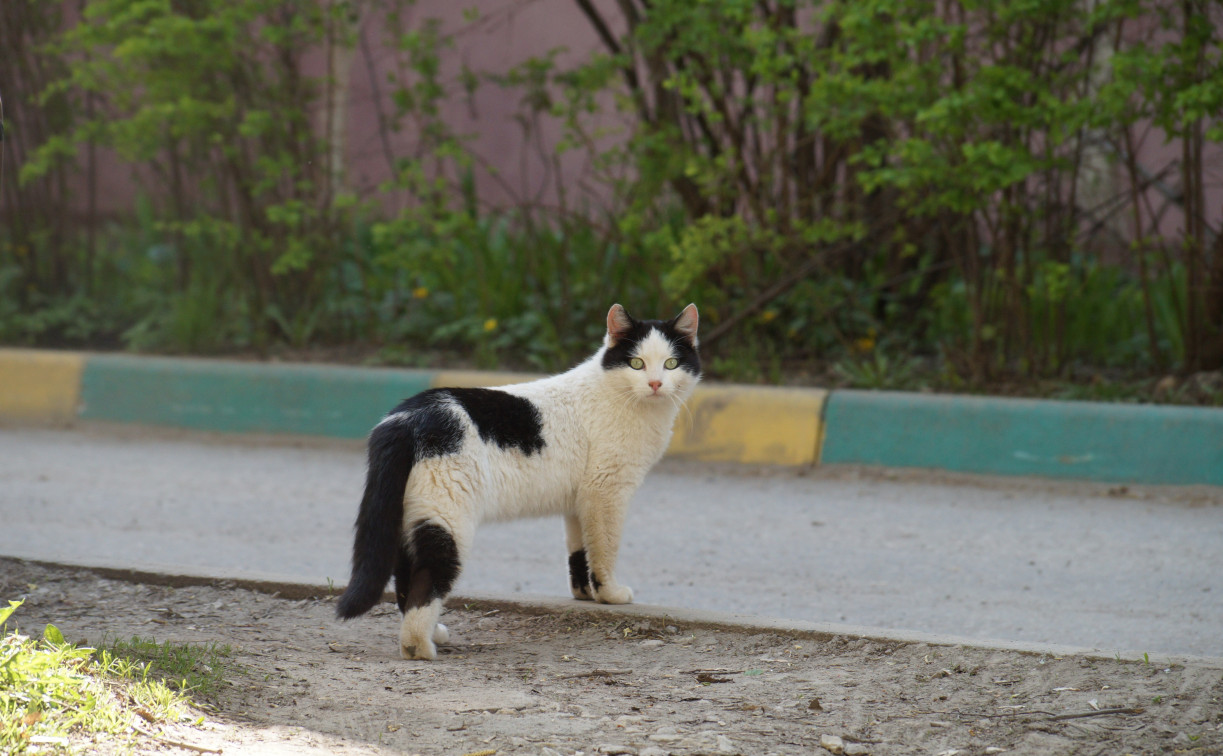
[579,572]
[510,422]
[427,567]
[618,354]
[434,428]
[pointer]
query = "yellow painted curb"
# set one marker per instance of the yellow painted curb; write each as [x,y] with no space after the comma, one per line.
[479,378]
[751,424]
[40,386]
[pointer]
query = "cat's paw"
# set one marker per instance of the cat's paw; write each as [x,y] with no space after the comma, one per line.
[581,594]
[420,630]
[421,651]
[614,594]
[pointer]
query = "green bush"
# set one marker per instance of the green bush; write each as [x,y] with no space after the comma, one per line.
[919,193]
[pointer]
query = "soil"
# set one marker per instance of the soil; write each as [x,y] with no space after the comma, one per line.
[587,681]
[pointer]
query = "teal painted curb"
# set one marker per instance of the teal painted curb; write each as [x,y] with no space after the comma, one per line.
[212,395]
[1083,440]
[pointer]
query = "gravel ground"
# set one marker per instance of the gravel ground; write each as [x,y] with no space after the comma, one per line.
[592,682]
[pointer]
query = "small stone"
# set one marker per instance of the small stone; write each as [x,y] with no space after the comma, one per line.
[651,751]
[856,749]
[665,735]
[652,643]
[617,750]
[832,744]
[725,745]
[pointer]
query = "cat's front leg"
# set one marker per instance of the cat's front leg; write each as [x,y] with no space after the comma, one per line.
[602,521]
[579,568]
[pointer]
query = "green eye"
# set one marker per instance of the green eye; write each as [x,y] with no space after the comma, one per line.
[671,364]
[637,363]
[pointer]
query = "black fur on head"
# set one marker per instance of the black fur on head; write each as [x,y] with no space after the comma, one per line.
[625,333]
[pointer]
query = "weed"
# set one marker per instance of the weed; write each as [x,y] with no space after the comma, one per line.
[878,371]
[194,669]
[52,692]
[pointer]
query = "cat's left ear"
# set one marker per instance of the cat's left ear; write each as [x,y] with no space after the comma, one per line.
[686,322]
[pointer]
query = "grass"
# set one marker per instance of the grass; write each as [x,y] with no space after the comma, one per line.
[198,670]
[56,697]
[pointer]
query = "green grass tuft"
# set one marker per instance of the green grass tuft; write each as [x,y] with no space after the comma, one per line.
[194,669]
[56,697]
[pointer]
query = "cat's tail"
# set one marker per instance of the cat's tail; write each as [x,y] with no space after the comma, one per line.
[392,451]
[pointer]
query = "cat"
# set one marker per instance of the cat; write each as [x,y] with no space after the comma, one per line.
[576,444]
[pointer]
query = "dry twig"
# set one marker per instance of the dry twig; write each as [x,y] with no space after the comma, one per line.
[597,673]
[175,743]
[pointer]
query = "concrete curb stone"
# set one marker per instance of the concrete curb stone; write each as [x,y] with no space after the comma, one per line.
[1122,443]
[292,588]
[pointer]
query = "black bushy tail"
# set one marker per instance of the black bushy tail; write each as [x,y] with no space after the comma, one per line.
[375,550]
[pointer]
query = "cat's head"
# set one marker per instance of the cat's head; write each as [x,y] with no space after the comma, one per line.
[653,360]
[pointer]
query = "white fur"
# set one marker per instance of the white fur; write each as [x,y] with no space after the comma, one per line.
[603,430]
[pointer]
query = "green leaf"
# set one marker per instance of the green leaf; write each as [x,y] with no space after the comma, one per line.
[51,634]
[6,613]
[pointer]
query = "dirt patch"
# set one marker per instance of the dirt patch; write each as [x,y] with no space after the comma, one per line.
[586,682]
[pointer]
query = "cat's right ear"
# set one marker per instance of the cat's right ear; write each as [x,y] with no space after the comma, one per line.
[618,324]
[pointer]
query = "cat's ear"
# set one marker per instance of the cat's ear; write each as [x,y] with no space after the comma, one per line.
[686,322]
[619,323]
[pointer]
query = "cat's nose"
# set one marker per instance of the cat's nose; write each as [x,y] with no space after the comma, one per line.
[655,385]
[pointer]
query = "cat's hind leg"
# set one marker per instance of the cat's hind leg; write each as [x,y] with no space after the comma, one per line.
[428,566]
[403,582]
[579,570]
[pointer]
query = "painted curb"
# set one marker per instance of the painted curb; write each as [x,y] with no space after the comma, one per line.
[751,424]
[722,423]
[1083,440]
[292,588]
[237,397]
[39,386]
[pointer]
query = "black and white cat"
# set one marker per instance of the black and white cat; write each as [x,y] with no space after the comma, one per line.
[576,444]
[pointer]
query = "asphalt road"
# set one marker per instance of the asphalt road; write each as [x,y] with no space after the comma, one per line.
[1135,569]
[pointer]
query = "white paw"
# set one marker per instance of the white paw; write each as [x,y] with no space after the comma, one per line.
[614,594]
[441,634]
[418,631]
[581,594]
[422,651]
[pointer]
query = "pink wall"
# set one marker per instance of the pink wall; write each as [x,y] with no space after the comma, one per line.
[506,34]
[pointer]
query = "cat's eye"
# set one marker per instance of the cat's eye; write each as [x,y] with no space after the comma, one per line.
[671,364]
[637,363]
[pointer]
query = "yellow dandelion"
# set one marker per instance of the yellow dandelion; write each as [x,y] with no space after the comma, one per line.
[865,343]
[490,324]
[768,316]
[420,292]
